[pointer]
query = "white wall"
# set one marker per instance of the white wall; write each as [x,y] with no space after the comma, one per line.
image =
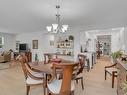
[79,39]
[115,42]
[117,38]
[125,39]
[43,43]
[9,41]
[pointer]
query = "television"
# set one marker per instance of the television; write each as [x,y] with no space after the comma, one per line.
[23,47]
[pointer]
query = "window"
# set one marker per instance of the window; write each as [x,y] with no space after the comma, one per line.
[1,42]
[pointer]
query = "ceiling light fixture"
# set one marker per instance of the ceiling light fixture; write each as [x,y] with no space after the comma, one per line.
[57,28]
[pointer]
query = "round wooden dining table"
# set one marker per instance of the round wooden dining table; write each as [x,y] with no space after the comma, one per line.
[46,68]
[41,67]
[56,60]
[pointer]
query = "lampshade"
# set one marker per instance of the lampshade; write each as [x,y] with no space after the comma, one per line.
[49,28]
[65,27]
[54,26]
[63,30]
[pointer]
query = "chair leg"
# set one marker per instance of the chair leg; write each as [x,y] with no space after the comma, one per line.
[82,83]
[48,93]
[105,74]
[72,93]
[113,79]
[81,78]
[44,86]
[88,69]
[27,90]
[76,80]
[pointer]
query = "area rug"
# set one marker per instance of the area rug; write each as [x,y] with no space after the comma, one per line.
[4,66]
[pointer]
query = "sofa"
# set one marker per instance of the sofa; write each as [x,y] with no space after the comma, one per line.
[5,56]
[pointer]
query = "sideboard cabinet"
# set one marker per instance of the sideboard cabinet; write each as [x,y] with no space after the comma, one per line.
[122,76]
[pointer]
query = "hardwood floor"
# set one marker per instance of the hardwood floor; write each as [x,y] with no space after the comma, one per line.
[12,82]
[95,84]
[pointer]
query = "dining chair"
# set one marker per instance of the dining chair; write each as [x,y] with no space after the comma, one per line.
[112,70]
[86,60]
[64,86]
[48,57]
[32,78]
[79,74]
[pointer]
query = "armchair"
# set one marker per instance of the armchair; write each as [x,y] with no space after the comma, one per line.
[5,56]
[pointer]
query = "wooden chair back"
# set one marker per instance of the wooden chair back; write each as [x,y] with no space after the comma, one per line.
[82,59]
[23,62]
[25,66]
[67,69]
[48,57]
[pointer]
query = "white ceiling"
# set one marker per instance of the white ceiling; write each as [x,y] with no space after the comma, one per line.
[18,16]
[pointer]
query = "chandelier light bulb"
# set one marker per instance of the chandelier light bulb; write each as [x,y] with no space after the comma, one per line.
[54,31]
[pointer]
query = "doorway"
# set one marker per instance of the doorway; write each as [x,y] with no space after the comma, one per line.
[104,44]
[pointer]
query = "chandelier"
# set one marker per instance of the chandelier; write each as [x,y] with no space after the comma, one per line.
[57,28]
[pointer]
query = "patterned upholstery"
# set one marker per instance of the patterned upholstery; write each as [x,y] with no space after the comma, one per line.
[5,56]
[110,70]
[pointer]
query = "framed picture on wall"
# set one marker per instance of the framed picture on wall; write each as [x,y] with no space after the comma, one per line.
[35,44]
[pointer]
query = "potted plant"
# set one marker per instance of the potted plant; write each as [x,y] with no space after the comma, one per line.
[116,55]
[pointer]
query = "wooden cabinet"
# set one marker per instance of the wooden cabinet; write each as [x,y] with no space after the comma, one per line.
[65,46]
[122,68]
